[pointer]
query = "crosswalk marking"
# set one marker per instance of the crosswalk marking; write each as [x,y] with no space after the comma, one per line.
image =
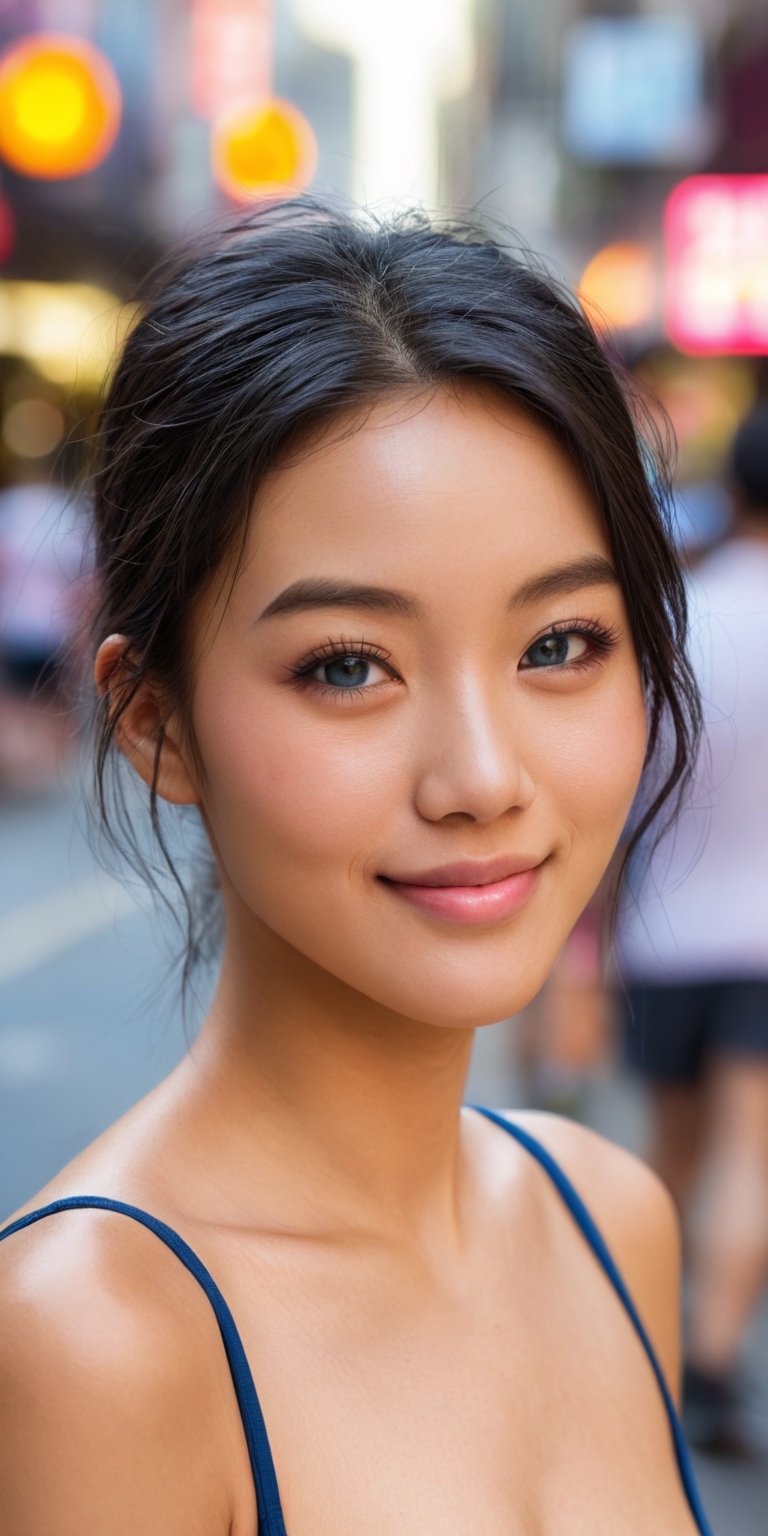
[36,932]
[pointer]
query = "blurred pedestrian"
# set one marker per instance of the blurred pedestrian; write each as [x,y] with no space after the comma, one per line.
[693,946]
[42,590]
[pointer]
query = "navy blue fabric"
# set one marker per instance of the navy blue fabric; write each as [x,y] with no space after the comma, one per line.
[603,1254]
[271,1521]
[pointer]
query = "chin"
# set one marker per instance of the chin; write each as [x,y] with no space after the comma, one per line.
[458,997]
[463,981]
[477,1013]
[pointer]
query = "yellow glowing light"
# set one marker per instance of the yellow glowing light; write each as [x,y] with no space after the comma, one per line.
[263,150]
[70,332]
[60,106]
[618,287]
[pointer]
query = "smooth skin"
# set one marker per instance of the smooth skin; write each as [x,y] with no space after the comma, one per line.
[434,1345]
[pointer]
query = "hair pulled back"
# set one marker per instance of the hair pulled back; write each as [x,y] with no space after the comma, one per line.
[297,312]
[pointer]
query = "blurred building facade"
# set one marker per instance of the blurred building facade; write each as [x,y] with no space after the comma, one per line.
[569,123]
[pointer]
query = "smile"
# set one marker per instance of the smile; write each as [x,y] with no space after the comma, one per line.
[460,894]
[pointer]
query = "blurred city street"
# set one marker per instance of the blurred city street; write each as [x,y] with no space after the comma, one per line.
[88,1024]
[623,144]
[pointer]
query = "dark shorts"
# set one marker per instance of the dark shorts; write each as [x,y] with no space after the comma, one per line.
[671,1032]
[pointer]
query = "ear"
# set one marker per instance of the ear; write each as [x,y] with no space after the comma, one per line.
[146,726]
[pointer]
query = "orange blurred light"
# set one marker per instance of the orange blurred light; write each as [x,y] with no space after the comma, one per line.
[618,286]
[263,150]
[60,106]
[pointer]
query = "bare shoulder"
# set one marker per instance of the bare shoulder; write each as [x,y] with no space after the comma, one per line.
[625,1196]
[113,1412]
[635,1214]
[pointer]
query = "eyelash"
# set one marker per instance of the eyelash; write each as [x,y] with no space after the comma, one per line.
[603,640]
[303,679]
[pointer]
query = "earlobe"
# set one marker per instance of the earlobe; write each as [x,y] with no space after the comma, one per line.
[146,731]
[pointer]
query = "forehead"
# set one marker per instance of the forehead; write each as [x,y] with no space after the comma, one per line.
[446,484]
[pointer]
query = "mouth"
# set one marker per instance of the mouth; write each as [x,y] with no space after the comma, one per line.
[469,892]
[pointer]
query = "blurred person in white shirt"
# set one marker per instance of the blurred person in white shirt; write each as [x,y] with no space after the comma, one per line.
[693,957]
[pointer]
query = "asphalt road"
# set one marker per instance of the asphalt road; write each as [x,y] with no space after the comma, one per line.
[89,1021]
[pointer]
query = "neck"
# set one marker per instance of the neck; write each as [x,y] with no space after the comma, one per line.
[355,1110]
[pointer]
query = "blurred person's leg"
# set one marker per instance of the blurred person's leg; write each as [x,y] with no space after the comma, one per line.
[730,1232]
[563,1037]
[678,1116]
[673,1037]
[729,1241]
[664,1043]
[664,1029]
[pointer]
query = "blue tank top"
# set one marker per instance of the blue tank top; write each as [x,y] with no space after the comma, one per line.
[271,1521]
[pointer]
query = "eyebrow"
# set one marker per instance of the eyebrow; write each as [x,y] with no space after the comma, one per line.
[591,571]
[322,592]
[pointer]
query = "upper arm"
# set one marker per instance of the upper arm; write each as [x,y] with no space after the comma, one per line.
[102,1422]
[637,1217]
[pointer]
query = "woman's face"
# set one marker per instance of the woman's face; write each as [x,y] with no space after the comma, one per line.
[419,710]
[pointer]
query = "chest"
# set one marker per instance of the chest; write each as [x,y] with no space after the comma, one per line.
[518,1408]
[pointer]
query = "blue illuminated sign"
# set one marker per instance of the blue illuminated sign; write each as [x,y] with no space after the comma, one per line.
[633,90]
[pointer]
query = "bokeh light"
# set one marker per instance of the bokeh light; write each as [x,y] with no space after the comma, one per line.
[618,287]
[69,332]
[60,106]
[32,428]
[716,239]
[263,150]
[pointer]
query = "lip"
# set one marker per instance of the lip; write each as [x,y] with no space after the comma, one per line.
[470,892]
[470,871]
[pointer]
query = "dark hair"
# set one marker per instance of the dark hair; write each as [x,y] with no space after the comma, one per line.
[296,312]
[748,459]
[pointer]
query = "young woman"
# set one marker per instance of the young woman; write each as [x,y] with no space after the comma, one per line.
[389,602]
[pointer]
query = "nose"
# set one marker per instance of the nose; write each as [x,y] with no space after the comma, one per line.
[471,764]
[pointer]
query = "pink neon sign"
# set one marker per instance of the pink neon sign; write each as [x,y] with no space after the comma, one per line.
[716,264]
[230,53]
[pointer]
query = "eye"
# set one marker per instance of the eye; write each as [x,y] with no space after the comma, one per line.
[344,669]
[570,647]
[348,671]
[557,650]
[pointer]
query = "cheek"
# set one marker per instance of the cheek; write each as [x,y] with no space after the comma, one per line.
[281,789]
[589,760]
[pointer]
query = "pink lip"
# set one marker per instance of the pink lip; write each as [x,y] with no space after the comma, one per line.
[469,871]
[470,893]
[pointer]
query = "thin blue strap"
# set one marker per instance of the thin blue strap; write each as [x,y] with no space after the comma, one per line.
[271,1522]
[600,1248]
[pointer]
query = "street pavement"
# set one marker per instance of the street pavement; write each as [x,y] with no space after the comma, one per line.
[90,1020]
